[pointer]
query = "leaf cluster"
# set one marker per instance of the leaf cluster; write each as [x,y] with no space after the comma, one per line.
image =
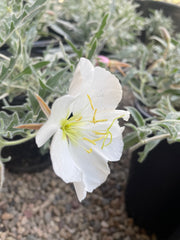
[78,24]
[164,124]
[156,73]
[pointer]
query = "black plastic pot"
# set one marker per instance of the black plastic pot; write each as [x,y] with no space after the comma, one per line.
[169,10]
[152,193]
[153,190]
[38,47]
[42,44]
[26,157]
[175,235]
[142,109]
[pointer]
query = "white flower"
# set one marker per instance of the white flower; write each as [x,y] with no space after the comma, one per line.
[85,129]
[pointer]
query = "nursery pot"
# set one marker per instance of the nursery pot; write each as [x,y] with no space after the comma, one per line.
[26,157]
[169,10]
[153,190]
[42,44]
[152,193]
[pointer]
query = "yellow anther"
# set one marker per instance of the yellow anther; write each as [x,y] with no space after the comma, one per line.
[101,120]
[89,150]
[98,139]
[110,141]
[90,102]
[99,133]
[90,140]
[94,116]
[79,118]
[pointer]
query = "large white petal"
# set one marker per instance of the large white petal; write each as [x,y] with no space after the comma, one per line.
[80,190]
[59,111]
[102,86]
[112,115]
[112,147]
[106,90]
[62,160]
[93,166]
[113,151]
[46,132]
[82,78]
[60,107]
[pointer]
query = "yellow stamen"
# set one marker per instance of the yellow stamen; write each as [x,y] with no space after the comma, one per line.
[99,133]
[94,116]
[79,118]
[110,141]
[101,120]
[90,102]
[89,150]
[109,133]
[89,140]
[98,139]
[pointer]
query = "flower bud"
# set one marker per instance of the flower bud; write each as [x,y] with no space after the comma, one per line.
[165,34]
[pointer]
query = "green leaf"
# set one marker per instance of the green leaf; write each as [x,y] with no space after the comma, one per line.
[136,116]
[28,70]
[92,45]
[130,139]
[28,14]
[79,52]
[7,70]
[44,86]
[92,50]
[33,103]
[53,81]
[148,147]
[100,30]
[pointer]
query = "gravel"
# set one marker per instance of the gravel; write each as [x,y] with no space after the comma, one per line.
[41,206]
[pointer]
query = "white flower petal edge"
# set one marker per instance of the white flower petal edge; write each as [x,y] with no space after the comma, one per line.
[93,166]
[101,85]
[106,90]
[82,77]
[58,111]
[63,162]
[80,190]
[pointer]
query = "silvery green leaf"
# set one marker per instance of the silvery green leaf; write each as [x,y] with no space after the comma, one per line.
[130,139]
[9,27]
[148,147]
[136,116]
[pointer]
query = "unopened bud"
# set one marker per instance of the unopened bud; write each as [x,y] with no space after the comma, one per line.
[103,59]
[165,34]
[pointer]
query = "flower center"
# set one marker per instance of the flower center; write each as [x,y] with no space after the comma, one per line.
[71,127]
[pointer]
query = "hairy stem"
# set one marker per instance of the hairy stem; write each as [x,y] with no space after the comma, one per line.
[147,140]
[5,143]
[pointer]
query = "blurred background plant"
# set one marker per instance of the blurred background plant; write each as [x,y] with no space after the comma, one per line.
[77,21]
[154,82]
[24,70]
[41,42]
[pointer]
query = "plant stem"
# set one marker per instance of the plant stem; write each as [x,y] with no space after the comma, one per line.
[4,57]
[16,142]
[147,140]
[3,95]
